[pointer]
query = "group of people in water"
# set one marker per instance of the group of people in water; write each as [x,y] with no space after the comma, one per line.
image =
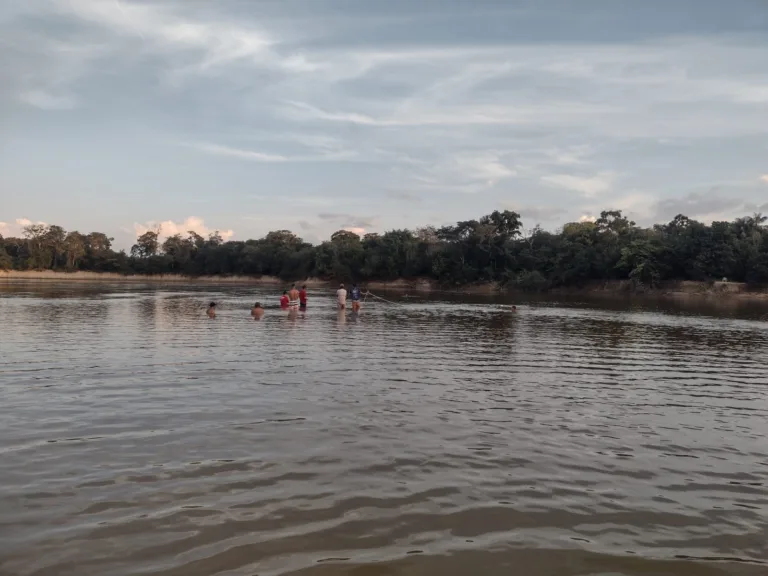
[295,299]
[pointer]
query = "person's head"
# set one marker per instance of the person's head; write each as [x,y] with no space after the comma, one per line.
[212,305]
[514,308]
[341,286]
[285,292]
[293,286]
[354,285]
[303,286]
[257,305]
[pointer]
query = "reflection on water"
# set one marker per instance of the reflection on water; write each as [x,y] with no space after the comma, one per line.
[433,436]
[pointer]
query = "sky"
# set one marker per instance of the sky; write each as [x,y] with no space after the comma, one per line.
[247,116]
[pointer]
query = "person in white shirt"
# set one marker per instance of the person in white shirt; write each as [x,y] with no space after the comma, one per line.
[341,297]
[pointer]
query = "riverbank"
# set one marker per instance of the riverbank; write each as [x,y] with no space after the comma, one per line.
[81,276]
[682,289]
[678,289]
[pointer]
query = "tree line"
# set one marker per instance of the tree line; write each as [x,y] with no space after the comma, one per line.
[493,248]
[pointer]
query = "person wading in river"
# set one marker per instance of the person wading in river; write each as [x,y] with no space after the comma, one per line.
[211,310]
[355,295]
[303,298]
[257,311]
[341,297]
[293,297]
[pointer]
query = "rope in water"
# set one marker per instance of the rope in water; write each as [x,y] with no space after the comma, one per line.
[369,293]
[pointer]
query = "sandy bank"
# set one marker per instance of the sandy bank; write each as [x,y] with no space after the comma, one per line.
[680,289]
[80,276]
[685,289]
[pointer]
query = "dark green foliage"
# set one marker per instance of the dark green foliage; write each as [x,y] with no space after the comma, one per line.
[489,249]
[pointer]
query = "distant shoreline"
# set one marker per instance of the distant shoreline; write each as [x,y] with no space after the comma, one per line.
[681,289]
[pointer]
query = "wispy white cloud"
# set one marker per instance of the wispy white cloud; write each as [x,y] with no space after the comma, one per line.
[220,42]
[217,150]
[463,172]
[570,155]
[456,114]
[547,118]
[256,156]
[764,178]
[589,186]
[47,101]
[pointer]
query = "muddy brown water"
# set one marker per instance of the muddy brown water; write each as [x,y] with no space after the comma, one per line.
[438,435]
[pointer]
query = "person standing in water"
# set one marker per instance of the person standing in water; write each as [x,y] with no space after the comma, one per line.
[303,297]
[211,310]
[257,311]
[284,300]
[341,297]
[355,295]
[293,297]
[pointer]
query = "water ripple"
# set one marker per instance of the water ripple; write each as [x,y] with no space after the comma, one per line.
[436,437]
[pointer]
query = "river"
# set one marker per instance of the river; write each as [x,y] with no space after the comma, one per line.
[430,436]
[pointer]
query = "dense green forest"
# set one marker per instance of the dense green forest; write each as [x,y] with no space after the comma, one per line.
[492,248]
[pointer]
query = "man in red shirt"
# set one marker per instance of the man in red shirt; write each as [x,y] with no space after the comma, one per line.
[303,297]
[284,300]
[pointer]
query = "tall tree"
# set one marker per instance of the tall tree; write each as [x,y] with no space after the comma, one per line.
[146,245]
[74,249]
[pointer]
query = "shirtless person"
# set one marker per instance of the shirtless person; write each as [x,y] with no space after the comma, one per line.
[257,311]
[293,297]
[211,310]
[341,297]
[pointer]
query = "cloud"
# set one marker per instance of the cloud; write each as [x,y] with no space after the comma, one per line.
[404,196]
[590,186]
[635,205]
[456,115]
[169,228]
[238,153]
[15,229]
[462,172]
[432,110]
[539,213]
[764,178]
[348,221]
[587,218]
[46,101]
[354,230]
[715,203]
[256,156]
[220,42]
[756,208]
[569,155]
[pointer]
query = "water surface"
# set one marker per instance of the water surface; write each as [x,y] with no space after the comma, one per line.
[441,436]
